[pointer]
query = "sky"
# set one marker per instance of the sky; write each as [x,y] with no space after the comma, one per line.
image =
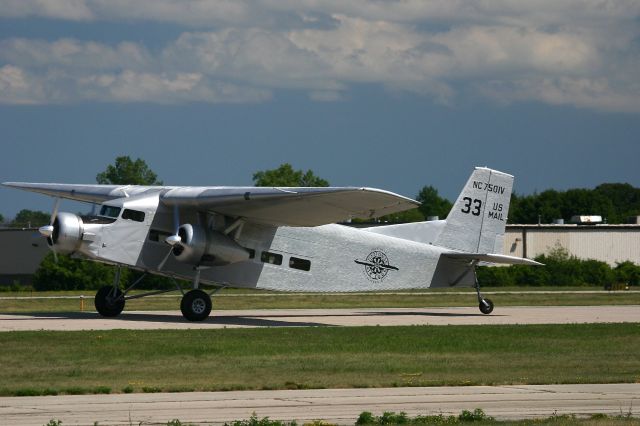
[388,94]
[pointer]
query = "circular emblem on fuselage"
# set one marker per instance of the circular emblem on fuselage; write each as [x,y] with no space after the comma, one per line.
[376,265]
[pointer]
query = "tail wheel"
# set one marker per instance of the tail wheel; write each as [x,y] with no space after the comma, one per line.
[109,302]
[486,306]
[196,305]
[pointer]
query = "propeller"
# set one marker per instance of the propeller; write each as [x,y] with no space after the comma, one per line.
[47,230]
[174,239]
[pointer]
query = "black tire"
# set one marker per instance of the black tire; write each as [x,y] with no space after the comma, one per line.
[109,303]
[486,306]
[196,305]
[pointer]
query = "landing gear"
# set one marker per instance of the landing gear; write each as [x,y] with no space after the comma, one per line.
[109,301]
[196,305]
[485,305]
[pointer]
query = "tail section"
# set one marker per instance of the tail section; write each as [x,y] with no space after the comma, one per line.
[476,223]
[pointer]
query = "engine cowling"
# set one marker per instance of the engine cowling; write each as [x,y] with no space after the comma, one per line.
[67,233]
[200,246]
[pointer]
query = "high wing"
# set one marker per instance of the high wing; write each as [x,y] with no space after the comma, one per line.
[274,206]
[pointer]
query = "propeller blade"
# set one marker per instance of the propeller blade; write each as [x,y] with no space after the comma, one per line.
[174,239]
[161,264]
[56,204]
[176,219]
[55,254]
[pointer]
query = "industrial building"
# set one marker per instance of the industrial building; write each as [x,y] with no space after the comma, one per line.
[608,243]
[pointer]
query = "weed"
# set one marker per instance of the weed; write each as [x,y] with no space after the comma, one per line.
[127,389]
[75,390]
[477,415]
[176,422]
[151,389]
[102,390]
[599,416]
[255,421]
[28,392]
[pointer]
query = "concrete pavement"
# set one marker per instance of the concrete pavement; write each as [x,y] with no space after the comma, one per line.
[324,317]
[340,406]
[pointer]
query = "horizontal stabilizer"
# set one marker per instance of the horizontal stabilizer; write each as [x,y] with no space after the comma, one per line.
[491,258]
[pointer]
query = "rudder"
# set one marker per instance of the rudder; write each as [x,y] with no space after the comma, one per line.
[476,222]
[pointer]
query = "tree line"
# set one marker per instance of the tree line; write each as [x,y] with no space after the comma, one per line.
[615,202]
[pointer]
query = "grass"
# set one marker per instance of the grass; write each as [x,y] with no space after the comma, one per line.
[278,358]
[254,299]
[477,417]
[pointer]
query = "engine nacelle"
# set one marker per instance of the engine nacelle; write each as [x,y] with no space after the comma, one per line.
[67,233]
[200,246]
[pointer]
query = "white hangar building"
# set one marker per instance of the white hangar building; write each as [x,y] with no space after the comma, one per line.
[609,243]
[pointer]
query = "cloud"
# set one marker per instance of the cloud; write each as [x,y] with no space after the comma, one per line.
[73,10]
[37,54]
[22,88]
[15,87]
[583,53]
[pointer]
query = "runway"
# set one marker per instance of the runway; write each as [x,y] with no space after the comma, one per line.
[324,317]
[340,406]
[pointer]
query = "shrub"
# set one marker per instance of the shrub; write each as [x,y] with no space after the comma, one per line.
[627,272]
[560,269]
[71,274]
[477,415]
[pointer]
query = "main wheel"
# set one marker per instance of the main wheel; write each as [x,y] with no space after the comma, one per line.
[108,302]
[486,306]
[196,305]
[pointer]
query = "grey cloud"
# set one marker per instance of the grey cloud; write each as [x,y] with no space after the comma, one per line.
[575,52]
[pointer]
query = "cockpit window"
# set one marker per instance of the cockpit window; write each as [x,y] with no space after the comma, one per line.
[109,211]
[136,215]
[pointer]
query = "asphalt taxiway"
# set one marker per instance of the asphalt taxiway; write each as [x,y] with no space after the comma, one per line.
[341,406]
[144,320]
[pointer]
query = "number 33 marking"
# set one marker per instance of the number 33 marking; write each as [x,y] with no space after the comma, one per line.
[467,206]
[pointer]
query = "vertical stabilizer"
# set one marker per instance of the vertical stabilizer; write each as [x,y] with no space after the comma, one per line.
[476,222]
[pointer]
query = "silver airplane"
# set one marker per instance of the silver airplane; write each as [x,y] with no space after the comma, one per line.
[281,239]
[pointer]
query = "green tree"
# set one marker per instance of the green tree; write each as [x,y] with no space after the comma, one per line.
[615,202]
[1,218]
[432,203]
[71,274]
[30,218]
[407,216]
[128,172]
[625,199]
[285,175]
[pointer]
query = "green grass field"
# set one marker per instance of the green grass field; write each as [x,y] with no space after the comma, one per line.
[277,358]
[252,299]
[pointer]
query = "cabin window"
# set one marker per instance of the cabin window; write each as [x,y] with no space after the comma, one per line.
[110,211]
[135,215]
[252,253]
[297,263]
[272,258]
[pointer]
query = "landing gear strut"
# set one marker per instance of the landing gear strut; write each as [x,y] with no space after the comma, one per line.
[195,304]
[485,305]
